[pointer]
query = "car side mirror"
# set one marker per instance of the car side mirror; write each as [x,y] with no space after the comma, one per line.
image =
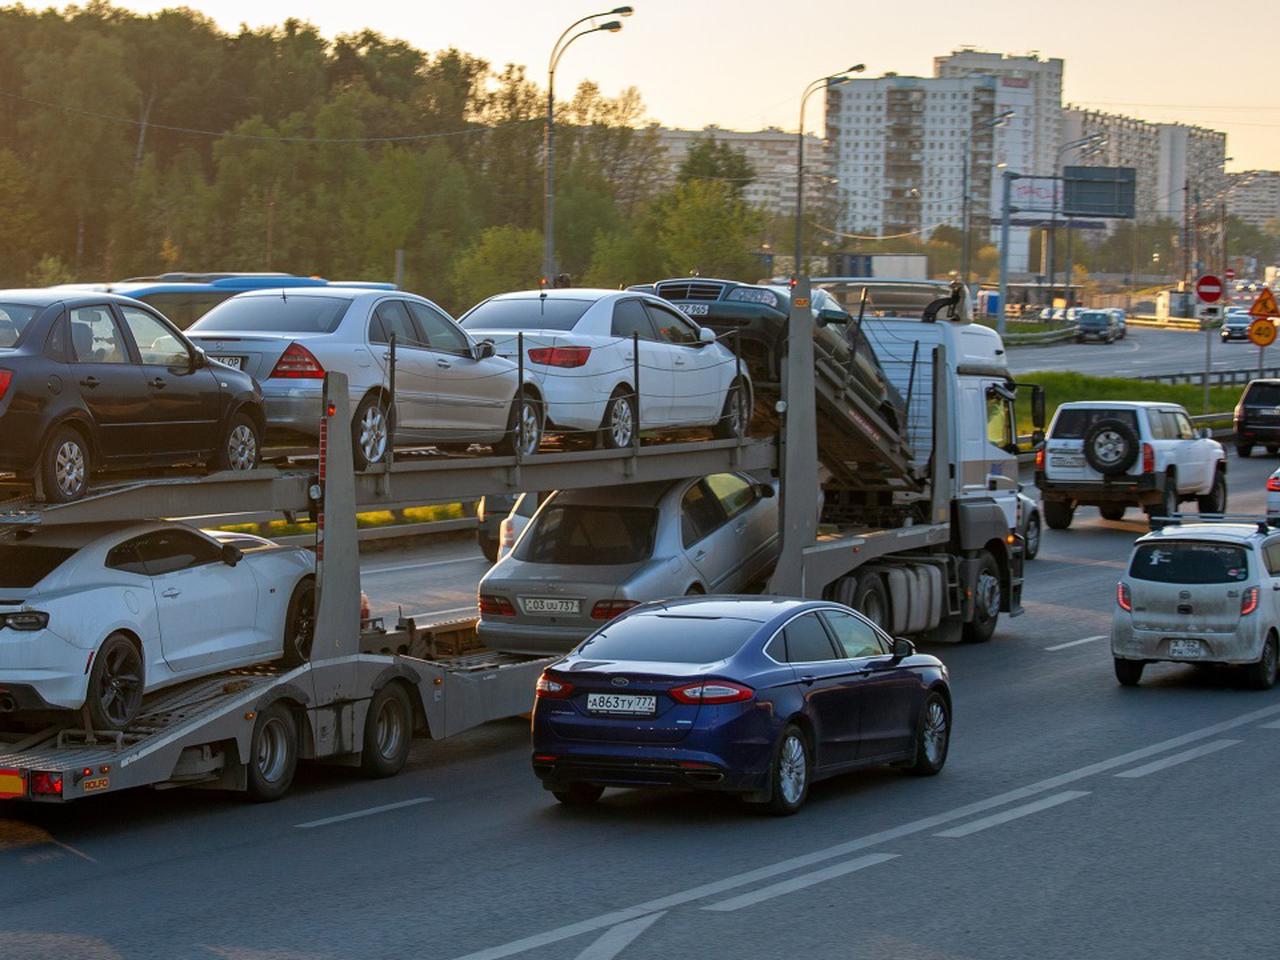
[231,554]
[706,335]
[766,491]
[1205,433]
[831,315]
[199,358]
[902,648]
[484,350]
[1037,437]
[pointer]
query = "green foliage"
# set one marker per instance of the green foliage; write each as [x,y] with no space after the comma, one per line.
[501,258]
[1068,387]
[715,160]
[706,229]
[49,271]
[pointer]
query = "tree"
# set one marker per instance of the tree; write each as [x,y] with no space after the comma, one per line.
[712,159]
[705,228]
[501,258]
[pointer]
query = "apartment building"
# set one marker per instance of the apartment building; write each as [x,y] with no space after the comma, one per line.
[1254,196]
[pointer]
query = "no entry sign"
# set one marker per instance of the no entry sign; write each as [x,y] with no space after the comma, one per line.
[1229,273]
[1209,288]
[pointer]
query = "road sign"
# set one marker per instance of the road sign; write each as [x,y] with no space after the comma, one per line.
[1262,332]
[1209,288]
[1265,305]
[1229,273]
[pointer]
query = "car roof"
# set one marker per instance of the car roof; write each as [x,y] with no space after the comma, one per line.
[569,293]
[1219,532]
[48,296]
[1121,404]
[77,536]
[753,608]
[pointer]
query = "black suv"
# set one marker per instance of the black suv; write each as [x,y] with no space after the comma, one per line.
[1257,417]
[96,381]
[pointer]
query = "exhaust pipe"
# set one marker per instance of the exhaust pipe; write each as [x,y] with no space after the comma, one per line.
[8,704]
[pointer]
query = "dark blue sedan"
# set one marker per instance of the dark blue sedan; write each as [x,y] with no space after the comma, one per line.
[750,695]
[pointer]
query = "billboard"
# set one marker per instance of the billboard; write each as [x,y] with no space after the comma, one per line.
[1099,192]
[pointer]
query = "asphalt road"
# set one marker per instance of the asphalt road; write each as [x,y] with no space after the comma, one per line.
[1075,819]
[1145,350]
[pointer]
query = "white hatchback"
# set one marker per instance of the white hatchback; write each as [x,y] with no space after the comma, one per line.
[584,350]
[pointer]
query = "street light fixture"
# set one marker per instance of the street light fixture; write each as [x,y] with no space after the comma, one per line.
[557,51]
[808,91]
[1093,139]
[999,120]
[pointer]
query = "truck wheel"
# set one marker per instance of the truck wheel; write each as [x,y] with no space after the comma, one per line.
[578,794]
[1128,672]
[1215,501]
[1243,450]
[933,737]
[1262,675]
[872,600]
[388,732]
[300,623]
[1058,514]
[986,601]
[1112,511]
[1031,536]
[273,754]
[115,689]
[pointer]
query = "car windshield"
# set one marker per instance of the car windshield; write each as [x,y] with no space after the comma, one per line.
[589,535]
[1189,562]
[1267,394]
[1093,316]
[14,319]
[25,565]
[526,313]
[1075,422]
[274,314]
[669,638]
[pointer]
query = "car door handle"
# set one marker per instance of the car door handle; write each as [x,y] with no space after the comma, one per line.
[90,382]
[443,364]
[679,361]
[807,681]
[700,556]
[740,526]
[159,383]
[171,593]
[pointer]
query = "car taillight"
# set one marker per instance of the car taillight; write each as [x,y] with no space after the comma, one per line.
[1040,459]
[24,620]
[506,534]
[1148,458]
[551,687]
[364,606]
[1122,597]
[608,609]
[711,691]
[297,363]
[560,356]
[497,606]
[1273,483]
[46,784]
[6,376]
[1249,602]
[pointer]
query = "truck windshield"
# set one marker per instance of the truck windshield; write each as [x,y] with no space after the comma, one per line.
[1173,562]
[670,638]
[1073,424]
[274,314]
[590,535]
[24,565]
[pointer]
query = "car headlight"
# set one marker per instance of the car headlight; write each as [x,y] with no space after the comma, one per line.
[754,295]
[24,620]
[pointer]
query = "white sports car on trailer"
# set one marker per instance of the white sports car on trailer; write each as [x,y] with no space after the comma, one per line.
[96,616]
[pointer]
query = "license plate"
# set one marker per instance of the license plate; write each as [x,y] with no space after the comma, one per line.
[235,363]
[1060,460]
[621,704]
[550,605]
[694,309]
[1186,648]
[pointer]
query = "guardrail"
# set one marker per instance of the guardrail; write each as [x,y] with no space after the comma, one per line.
[1217,378]
[1047,336]
[1165,323]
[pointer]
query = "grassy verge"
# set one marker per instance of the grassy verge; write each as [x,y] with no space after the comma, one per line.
[1024,326]
[1065,387]
[364,521]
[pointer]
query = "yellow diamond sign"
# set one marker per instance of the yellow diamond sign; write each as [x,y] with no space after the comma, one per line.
[1265,305]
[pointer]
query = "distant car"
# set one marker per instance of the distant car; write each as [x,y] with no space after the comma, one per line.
[96,381]
[589,555]
[580,349]
[1200,593]
[755,696]
[490,512]
[1122,320]
[1273,497]
[450,390]
[514,523]
[1096,325]
[1257,417]
[1029,524]
[97,616]
[1235,324]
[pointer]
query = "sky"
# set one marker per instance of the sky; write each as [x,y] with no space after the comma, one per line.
[742,64]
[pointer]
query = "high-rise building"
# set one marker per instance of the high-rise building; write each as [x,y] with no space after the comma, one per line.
[1254,196]
[1191,172]
[1130,142]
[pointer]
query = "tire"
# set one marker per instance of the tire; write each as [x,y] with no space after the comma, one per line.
[695,590]
[1262,675]
[1112,511]
[735,417]
[388,732]
[114,695]
[524,427]
[1215,501]
[933,737]
[300,623]
[1058,514]
[1168,505]
[273,754]
[1031,536]
[871,599]
[1243,450]
[789,774]
[578,794]
[370,432]
[1111,447]
[617,429]
[490,550]
[986,601]
[241,447]
[1129,672]
[64,467]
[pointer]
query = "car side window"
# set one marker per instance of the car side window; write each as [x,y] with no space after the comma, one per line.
[1271,552]
[395,319]
[442,334]
[629,317]
[96,337]
[56,345]
[856,637]
[733,492]
[125,556]
[672,327]
[1159,426]
[807,640]
[700,514]
[156,344]
[1185,430]
[167,551]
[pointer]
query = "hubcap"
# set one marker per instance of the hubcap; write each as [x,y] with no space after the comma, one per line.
[121,684]
[792,769]
[621,426]
[242,448]
[736,412]
[987,595]
[69,469]
[373,434]
[1033,537]
[1109,447]
[935,732]
[273,750]
[304,625]
[530,428]
[389,730]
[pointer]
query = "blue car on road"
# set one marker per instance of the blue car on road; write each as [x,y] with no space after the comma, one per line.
[753,695]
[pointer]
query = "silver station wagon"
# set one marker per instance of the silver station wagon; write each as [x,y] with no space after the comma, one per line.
[1200,593]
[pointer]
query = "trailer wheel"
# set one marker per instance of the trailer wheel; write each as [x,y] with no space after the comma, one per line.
[273,754]
[871,600]
[388,729]
[986,601]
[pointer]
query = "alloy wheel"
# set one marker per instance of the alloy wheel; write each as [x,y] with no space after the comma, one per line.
[737,415]
[121,684]
[621,423]
[69,469]
[793,769]
[373,434]
[530,428]
[242,448]
[935,732]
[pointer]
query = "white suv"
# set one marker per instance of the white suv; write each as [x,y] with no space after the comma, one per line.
[1117,454]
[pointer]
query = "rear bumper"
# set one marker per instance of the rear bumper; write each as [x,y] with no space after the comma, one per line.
[34,691]
[1240,647]
[1258,432]
[677,771]
[535,639]
[293,407]
[1127,489]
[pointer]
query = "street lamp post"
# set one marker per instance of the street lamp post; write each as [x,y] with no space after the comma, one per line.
[561,45]
[999,120]
[1093,139]
[808,91]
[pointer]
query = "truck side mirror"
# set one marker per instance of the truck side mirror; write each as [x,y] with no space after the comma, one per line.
[1037,407]
[1037,437]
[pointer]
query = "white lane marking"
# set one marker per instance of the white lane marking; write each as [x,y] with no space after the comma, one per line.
[1076,643]
[601,921]
[1157,765]
[357,814]
[1273,725]
[1014,814]
[800,882]
[616,939]
[374,571]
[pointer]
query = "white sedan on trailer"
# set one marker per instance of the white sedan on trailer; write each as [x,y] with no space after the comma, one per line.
[96,616]
[581,351]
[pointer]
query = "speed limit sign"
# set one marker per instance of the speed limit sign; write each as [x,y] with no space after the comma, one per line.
[1263,331]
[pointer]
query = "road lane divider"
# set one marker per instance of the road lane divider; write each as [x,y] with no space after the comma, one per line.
[800,882]
[1076,643]
[360,814]
[616,939]
[1166,762]
[1016,813]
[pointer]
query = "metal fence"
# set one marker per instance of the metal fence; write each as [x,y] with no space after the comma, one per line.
[1217,378]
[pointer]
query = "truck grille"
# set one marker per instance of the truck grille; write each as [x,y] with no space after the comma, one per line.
[689,290]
